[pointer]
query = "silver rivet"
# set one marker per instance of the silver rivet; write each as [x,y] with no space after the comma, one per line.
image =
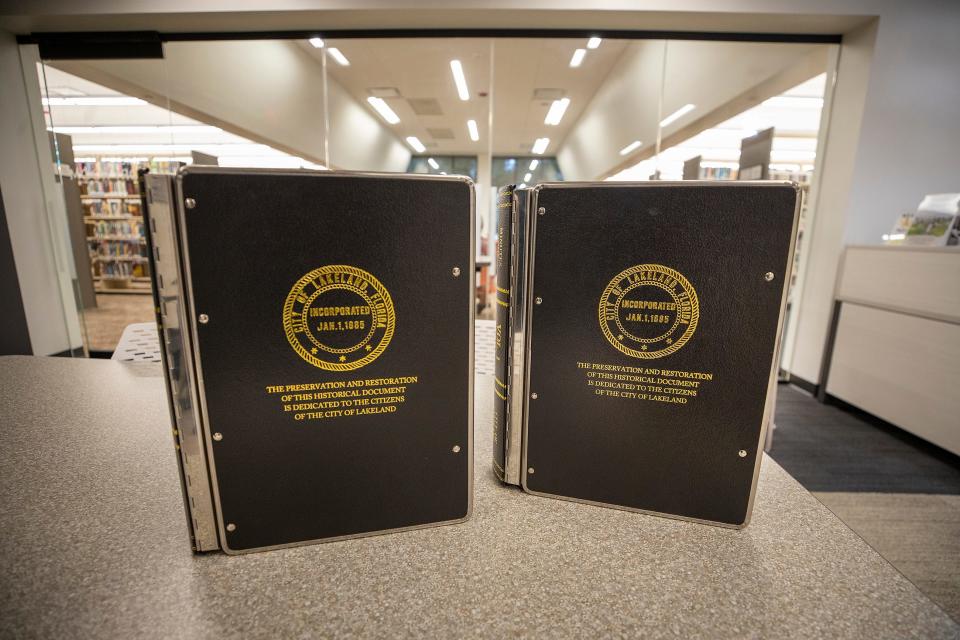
[204,318]
[541,211]
[742,453]
[530,470]
[456,448]
[218,436]
[456,272]
[539,300]
[190,203]
[231,527]
[768,276]
[534,395]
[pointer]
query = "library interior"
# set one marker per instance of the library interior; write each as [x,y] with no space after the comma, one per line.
[856,521]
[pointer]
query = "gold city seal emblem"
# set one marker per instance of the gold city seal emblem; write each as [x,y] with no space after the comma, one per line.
[649,311]
[339,318]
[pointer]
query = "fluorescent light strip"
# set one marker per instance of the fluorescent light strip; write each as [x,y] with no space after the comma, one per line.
[794,102]
[339,57]
[384,109]
[593,42]
[679,113]
[557,109]
[433,163]
[138,129]
[317,42]
[540,145]
[460,79]
[472,128]
[577,57]
[124,159]
[534,164]
[164,149]
[527,177]
[414,142]
[630,147]
[100,101]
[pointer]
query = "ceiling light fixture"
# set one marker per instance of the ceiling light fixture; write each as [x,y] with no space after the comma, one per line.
[137,129]
[577,57]
[384,109]
[679,113]
[795,102]
[593,42]
[527,177]
[339,57]
[522,185]
[557,109]
[630,147]
[540,145]
[534,164]
[414,142]
[433,163]
[472,128]
[460,79]
[176,149]
[318,42]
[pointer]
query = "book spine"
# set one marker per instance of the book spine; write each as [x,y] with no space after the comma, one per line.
[501,372]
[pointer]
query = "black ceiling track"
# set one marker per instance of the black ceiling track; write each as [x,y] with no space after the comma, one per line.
[149,44]
[96,45]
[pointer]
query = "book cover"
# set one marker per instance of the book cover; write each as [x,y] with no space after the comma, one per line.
[655,317]
[324,324]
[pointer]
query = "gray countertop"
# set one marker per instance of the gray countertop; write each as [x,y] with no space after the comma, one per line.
[95,545]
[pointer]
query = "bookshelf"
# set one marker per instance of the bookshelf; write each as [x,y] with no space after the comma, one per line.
[113,218]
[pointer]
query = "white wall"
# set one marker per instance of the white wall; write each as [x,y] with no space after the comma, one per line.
[824,238]
[910,131]
[270,91]
[45,286]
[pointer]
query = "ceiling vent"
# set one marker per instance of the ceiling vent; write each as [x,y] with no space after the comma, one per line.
[384,92]
[548,94]
[425,106]
[440,134]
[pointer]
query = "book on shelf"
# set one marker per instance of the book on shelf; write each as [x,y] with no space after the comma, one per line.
[111,205]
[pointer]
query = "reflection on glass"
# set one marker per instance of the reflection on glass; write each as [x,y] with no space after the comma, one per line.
[794,115]
[525,171]
[718,101]
[444,165]
[501,111]
[103,138]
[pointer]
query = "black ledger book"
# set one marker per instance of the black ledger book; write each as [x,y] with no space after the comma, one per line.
[645,341]
[501,374]
[317,333]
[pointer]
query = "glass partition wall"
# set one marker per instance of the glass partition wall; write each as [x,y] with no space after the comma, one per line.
[499,110]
